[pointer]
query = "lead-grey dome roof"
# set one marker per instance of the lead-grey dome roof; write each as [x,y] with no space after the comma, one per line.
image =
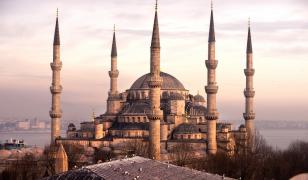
[169,82]
[199,98]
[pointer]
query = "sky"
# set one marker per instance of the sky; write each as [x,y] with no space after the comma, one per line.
[279,36]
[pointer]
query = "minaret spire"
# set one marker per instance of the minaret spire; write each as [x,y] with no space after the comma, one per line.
[212,29]
[114,44]
[155,34]
[155,84]
[249,92]
[56,88]
[211,90]
[56,40]
[249,43]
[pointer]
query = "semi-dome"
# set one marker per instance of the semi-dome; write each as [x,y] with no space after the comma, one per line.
[186,128]
[169,82]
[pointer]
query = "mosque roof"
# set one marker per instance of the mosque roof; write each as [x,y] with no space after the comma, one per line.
[137,108]
[130,126]
[176,96]
[186,128]
[169,82]
[135,168]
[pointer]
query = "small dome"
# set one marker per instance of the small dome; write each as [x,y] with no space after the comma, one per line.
[242,127]
[71,125]
[199,98]
[186,128]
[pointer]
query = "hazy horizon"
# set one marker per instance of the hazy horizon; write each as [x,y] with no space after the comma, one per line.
[279,36]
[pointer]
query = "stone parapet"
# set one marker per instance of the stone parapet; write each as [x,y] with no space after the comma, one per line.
[56,66]
[113,74]
[56,89]
[155,114]
[211,89]
[249,72]
[55,114]
[211,64]
[250,115]
[249,93]
[155,82]
[212,115]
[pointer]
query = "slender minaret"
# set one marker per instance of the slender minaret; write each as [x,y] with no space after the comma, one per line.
[113,103]
[211,90]
[56,88]
[155,84]
[249,92]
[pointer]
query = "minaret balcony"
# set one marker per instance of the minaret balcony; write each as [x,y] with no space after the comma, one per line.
[113,96]
[155,82]
[55,114]
[211,64]
[114,74]
[56,89]
[249,72]
[249,116]
[249,93]
[155,114]
[211,115]
[56,66]
[211,89]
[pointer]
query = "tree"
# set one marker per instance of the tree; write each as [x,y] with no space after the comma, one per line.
[181,153]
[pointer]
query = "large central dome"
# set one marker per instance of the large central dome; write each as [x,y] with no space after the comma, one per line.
[169,82]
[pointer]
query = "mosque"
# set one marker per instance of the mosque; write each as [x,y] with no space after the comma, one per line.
[157,108]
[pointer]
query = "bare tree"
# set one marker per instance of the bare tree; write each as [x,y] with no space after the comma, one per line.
[181,153]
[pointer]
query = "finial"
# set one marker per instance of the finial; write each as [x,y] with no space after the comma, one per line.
[156,6]
[57,12]
[113,27]
[198,92]
[249,22]
[93,115]
[211,4]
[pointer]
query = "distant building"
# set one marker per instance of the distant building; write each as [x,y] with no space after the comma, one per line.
[37,124]
[23,125]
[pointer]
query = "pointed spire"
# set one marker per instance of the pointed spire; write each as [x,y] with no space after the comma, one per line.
[212,30]
[155,34]
[56,40]
[114,44]
[249,43]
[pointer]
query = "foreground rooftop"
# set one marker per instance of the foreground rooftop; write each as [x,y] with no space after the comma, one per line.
[135,168]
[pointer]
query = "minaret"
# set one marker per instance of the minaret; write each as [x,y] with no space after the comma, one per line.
[113,103]
[211,90]
[155,84]
[249,92]
[56,88]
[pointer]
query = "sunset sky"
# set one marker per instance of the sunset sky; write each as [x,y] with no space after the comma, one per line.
[279,36]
